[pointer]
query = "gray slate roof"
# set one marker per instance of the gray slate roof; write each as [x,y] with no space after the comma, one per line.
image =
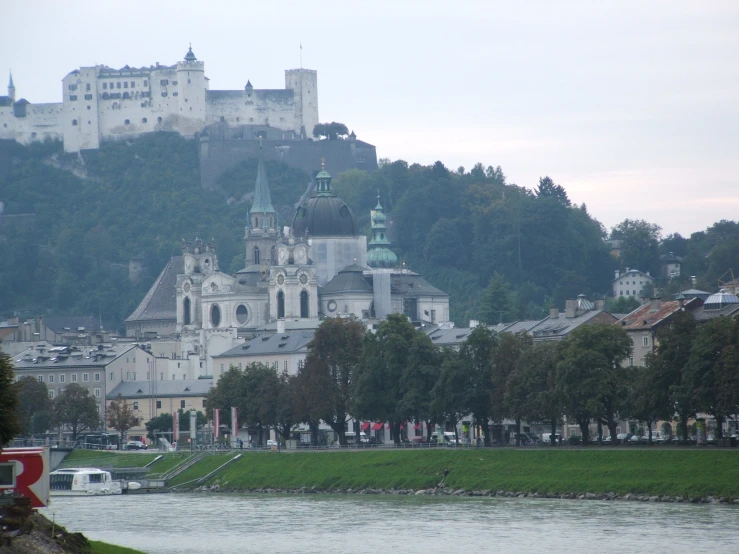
[271,344]
[59,324]
[349,279]
[411,284]
[71,357]
[701,314]
[561,326]
[454,336]
[161,389]
[159,303]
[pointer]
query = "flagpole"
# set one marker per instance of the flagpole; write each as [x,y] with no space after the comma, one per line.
[301,55]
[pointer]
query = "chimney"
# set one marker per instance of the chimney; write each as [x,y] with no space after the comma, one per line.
[627,270]
[600,304]
[474,323]
[553,312]
[570,308]
[280,326]
[655,304]
[618,274]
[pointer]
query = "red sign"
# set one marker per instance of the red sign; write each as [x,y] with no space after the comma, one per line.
[30,472]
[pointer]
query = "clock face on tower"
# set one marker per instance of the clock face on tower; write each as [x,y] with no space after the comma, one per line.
[186,287]
[303,279]
[280,279]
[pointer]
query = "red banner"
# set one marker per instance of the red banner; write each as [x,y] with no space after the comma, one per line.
[217,422]
[176,426]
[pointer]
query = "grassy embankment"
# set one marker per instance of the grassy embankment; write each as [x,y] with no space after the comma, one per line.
[100,547]
[108,458]
[689,473]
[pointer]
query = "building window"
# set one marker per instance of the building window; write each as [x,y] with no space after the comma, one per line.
[72,87]
[186,311]
[174,83]
[304,304]
[97,392]
[280,304]
[40,378]
[146,82]
[242,314]
[88,97]
[204,403]
[51,378]
[127,122]
[159,119]
[300,364]
[645,341]
[105,86]
[275,366]
[74,122]
[62,378]
[133,84]
[51,393]
[631,362]
[284,365]
[215,315]
[134,375]
[97,377]
[239,365]
[85,377]
[164,82]
[112,376]
[159,404]
[161,376]
[74,377]
[135,405]
[627,293]
[143,120]
[164,94]
[182,404]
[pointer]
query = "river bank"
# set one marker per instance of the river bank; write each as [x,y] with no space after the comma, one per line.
[645,474]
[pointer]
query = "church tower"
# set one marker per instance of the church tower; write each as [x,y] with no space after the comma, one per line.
[11,88]
[261,233]
[379,254]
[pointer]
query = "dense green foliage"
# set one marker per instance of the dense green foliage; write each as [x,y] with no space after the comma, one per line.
[10,425]
[465,231]
[543,470]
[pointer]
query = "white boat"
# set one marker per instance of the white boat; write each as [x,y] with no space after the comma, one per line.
[83,481]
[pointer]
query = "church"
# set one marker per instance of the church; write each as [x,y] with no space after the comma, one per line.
[320,266]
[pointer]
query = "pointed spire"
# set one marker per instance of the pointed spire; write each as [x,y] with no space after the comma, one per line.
[262,203]
[190,56]
[10,81]
[11,87]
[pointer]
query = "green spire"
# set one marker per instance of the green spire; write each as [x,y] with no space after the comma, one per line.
[262,203]
[379,253]
[323,181]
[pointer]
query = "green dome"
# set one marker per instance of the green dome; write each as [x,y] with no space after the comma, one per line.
[381,257]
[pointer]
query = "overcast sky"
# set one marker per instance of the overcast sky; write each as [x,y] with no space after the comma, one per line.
[632,106]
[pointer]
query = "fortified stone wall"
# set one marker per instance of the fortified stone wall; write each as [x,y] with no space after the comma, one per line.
[219,155]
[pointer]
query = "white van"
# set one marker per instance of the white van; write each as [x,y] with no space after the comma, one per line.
[546,438]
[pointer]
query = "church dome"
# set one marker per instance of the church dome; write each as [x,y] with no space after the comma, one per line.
[324,214]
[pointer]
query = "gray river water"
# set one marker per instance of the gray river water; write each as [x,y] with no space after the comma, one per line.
[224,523]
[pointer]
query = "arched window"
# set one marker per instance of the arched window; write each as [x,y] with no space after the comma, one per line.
[256,255]
[186,311]
[304,304]
[273,256]
[215,315]
[242,314]
[281,304]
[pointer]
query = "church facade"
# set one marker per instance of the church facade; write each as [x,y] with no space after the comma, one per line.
[321,266]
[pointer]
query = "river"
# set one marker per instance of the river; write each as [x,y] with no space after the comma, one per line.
[225,523]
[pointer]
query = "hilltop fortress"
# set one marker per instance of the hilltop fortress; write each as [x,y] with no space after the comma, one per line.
[100,103]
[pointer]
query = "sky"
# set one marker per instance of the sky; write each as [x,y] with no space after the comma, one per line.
[632,106]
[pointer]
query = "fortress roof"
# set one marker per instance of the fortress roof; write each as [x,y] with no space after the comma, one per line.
[159,303]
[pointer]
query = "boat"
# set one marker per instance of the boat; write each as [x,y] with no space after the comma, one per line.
[84,481]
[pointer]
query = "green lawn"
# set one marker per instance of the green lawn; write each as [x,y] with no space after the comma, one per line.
[672,472]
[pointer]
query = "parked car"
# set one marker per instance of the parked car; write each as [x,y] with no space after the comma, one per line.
[419,440]
[135,445]
[634,439]
[271,442]
[621,438]
[608,440]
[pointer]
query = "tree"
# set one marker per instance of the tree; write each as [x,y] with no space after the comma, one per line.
[669,360]
[330,369]
[495,302]
[259,404]
[9,424]
[712,369]
[33,405]
[647,401]
[121,416]
[287,405]
[449,397]
[506,359]
[378,390]
[331,131]
[547,189]
[591,376]
[477,354]
[531,389]
[418,379]
[640,249]
[76,408]
[164,423]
